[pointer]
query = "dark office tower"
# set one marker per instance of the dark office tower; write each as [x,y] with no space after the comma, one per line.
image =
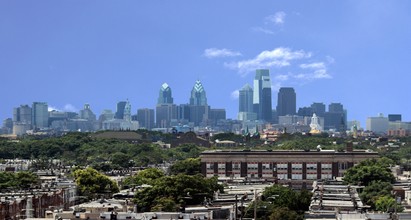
[22,114]
[394,117]
[165,109]
[145,118]
[198,94]
[262,95]
[305,112]
[336,117]
[120,110]
[335,107]
[318,108]
[287,101]
[216,115]
[40,115]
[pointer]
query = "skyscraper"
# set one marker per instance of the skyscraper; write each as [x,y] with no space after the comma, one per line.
[87,114]
[120,110]
[336,117]
[198,104]
[165,96]
[287,101]
[318,108]
[245,104]
[198,94]
[40,115]
[165,109]
[145,118]
[22,114]
[262,95]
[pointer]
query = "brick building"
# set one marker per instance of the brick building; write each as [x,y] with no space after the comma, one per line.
[298,169]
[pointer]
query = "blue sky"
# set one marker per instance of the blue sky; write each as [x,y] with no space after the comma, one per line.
[68,53]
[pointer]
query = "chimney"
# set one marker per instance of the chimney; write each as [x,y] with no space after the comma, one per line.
[349,147]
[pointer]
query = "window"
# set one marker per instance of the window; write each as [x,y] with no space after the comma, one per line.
[266,166]
[326,176]
[282,166]
[282,176]
[296,176]
[296,166]
[326,166]
[252,166]
[236,166]
[221,166]
[210,166]
[311,176]
[311,166]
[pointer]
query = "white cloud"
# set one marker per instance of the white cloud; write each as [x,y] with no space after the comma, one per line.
[281,77]
[279,57]
[214,53]
[263,30]
[330,59]
[235,94]
[319,65]
[278,18]
[53,108]
[70,108]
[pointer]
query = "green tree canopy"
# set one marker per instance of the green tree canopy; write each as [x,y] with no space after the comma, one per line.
[147,176]
[18,180]
[374,191]
[190,166]
[368,171]
[182,189]
[93,184]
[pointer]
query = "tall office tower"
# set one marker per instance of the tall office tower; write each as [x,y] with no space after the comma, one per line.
[165,109]
[22,114]
[318,108]
[198,104]
[145,118]
[394,117]
[127,111]
[120,110]
[336,117]
[198,94]
[262,95]
[40,115]
[216,115]
[245,104]
[287,101]
[87,113]
[165,96]
[378,124]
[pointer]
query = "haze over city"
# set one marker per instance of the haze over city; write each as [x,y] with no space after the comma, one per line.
[100,52]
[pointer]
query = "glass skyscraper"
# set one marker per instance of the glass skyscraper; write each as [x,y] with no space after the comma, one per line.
[262,95]
[198,94]
[40,115]
[287,101]
[165,96]
[165,109]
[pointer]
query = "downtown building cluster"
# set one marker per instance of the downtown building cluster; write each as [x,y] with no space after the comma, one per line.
[255,113]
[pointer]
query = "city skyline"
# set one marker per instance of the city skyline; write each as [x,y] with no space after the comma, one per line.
[68,54]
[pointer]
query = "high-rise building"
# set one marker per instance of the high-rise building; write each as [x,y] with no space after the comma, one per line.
[165,96]
[287,101]
[245,107]
[318,108]
[215,115]
[394,117]
[40,115]
[145,118]
[166,111]
[198,94]
[377,124]
[127,112]
[120,110]
[336,117]
[22,114]
[198,108]
[262,105]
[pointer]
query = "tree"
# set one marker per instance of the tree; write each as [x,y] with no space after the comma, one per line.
[182,189]
[368,171]
[147,176]
[374,191]
[19,180]
[387,204]
[284,213]
[190,166]
[92,184]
